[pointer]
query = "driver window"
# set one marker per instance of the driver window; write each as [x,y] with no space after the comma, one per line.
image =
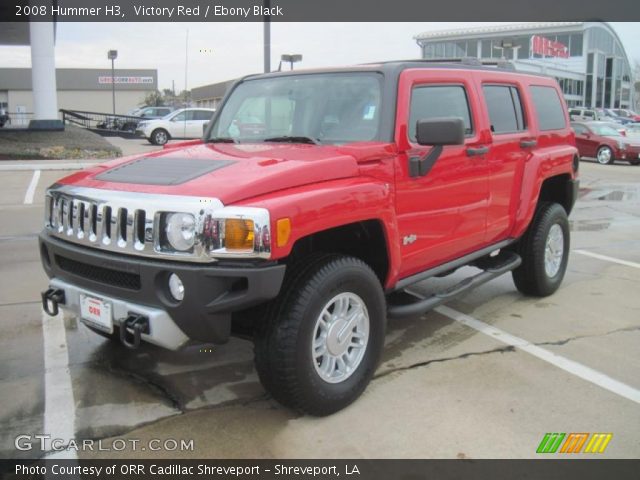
[439,101]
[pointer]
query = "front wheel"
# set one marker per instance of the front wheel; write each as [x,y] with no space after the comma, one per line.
[324,336]
[604,155]
[635,161]
[545,252]
[159,136]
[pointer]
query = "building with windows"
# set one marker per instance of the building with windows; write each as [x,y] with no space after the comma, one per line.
[587,58]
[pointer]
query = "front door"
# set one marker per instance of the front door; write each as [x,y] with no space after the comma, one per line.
[442,214]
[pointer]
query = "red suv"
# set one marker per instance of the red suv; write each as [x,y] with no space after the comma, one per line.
[302,232]
[606,144]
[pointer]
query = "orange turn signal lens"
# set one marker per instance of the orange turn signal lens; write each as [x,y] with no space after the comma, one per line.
[238,234]
[283,231]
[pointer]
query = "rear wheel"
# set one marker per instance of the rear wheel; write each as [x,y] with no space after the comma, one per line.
[324,336]
[604,155]
[635,161]
[545,252]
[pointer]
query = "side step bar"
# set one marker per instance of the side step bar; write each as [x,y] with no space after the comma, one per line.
[493,267]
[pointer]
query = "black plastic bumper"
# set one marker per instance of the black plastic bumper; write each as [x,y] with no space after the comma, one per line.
[212,292]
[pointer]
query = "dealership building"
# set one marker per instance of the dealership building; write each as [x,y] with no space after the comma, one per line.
[587,58]
[33,96]
[82,89]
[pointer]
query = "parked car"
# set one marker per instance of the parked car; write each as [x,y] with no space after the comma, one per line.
[586,114]
[184,123]
[606,115]
[604,143]
[627,114]
[143,113]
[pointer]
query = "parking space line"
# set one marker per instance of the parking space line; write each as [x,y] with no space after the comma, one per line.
[608,259]
[31,189]
[15,167]
[59,407]
[575,368]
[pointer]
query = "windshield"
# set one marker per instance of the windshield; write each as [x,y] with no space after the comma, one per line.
[605,131]
[320,108]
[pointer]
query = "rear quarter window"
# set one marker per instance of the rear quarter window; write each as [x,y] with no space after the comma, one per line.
[548,107]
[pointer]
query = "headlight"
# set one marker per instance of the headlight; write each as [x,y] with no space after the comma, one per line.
[231,232]
[180,230]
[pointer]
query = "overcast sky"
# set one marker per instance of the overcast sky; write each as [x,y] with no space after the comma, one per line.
[222,51]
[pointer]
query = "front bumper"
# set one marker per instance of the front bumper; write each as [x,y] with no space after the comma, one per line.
[629,153]
[138,285]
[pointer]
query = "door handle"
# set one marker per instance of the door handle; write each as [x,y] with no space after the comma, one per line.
[528,143]
[473,151]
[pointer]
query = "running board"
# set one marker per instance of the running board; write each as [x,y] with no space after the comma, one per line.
[493,267]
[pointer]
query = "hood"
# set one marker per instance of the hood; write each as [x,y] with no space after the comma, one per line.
[226,171]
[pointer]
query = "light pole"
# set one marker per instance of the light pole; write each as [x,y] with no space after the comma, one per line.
[266,21]
[291,58]
[112,55]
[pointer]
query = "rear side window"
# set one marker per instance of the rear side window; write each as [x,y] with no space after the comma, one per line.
[505,108]
[203,115]
[439,101]
[548,108]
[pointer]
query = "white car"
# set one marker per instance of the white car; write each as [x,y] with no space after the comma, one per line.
[184,123]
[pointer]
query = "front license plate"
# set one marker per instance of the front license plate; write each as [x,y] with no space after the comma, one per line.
[96,311]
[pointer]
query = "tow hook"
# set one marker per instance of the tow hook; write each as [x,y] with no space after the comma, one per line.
[131,328]
[52,297]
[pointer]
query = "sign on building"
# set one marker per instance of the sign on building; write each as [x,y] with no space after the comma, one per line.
[548,48]
[106,79]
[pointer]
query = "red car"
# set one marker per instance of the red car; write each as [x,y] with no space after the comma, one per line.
[604,143]
[313,200]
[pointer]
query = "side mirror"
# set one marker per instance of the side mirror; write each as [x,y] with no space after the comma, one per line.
[440,131]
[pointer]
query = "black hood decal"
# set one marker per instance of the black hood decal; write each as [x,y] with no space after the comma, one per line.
[162,170]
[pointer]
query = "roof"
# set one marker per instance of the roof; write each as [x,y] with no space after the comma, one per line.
[393,68]
[499,29]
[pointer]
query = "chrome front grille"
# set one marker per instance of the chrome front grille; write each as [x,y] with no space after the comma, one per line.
[122,222]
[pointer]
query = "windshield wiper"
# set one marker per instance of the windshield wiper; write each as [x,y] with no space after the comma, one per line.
[292,139]
[222,140]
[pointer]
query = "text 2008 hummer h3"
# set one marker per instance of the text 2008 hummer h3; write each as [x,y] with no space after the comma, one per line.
[313,200]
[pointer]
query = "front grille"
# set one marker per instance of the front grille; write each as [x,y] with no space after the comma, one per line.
[122,222]
[104,275]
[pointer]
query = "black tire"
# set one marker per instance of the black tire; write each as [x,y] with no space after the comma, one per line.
[635,161]
[159,136]
[531,277]
[283,346]
[604,155]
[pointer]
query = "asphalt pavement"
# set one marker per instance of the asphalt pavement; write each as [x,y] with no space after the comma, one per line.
[486,376]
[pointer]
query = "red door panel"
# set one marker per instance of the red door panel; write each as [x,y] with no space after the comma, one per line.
[442,214]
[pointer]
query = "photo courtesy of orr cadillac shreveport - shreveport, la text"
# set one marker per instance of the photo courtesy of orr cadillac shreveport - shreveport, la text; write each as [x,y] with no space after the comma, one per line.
[177,469]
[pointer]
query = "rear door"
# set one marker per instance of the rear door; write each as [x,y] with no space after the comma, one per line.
[442,214]
[511,146]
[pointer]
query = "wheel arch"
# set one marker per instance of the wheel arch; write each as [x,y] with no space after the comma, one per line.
[364,239]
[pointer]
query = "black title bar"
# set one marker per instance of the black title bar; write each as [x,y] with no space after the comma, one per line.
[356,469]
[316,10]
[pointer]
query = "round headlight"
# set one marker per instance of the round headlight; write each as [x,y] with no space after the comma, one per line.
[176,287]
[181,231]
